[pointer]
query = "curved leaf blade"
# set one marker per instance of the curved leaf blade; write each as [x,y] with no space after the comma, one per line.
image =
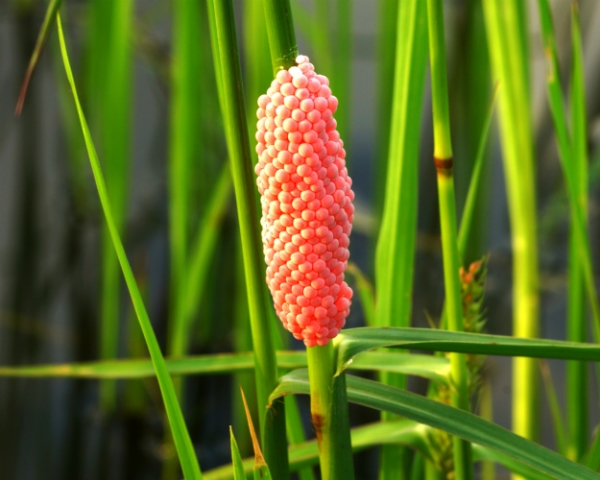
[452,420]
[355,341]
[427,366]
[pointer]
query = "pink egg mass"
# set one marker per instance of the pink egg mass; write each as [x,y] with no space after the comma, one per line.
[306,200]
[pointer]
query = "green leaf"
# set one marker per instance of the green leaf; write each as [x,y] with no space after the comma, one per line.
[427,366]
[185,449]
[592,456]
[404,432]
[452,420]
[366,293]
[519,468]
[49,17]
[236,458]
[554,404]
[470,208]
[571,165]
[229,81]
[187,104]
[353,341]
[201,255]
[507,38]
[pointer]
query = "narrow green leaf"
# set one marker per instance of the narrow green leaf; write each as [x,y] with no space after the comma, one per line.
[404,432]
[487,454]
[185,449]
[51,11]
[395,251]
[455,421]
[236,458]
[354,341]
[466,221]
[200,258]
[557,418]
[427,366]
[592,456]
[366,293]
[507,37]
[577,378]
[185,144]
[224,38]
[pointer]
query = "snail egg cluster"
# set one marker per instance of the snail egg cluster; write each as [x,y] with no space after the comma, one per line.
[306,200]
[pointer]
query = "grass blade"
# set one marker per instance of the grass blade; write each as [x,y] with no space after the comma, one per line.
[49,17]
[366,293]
[443,417]
[236,458]
[185,449]
[552,397]
[426,366]
[459,396]
[505,24]
[306,454]
[185,146]
[272,427]
[394,256]
[109,92]
[577,384]
[354,341]
[470,208]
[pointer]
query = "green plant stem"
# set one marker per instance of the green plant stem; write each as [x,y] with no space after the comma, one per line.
[183,443]
[577,383]
[272,426]
[282,36]
[184,148]
[463,464]
[509,55]
[342,80]
[486,411]
[329,412]
[386,53]
[114,128]
[394,256]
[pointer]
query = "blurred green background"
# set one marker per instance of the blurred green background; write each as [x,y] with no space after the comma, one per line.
[53,255]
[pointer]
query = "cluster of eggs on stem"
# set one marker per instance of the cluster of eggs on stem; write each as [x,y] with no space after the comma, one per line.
[306,200]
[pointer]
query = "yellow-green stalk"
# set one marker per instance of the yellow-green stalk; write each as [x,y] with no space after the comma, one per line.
[229,81]
[394,257]
[505,20]
[577,384]
[463,467]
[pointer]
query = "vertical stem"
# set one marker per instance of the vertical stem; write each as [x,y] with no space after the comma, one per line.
[282,36]
[386,53]
[112,29]
[272,425]
[342,80]
[488,469]
[329,411]
[463,467]
[508,51]
[577,385]
[394,257]
[329,405]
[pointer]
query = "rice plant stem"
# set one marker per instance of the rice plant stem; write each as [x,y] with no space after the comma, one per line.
[463,467]
[232,96]
[282,36]
[183,443]
[395,253]
[577,384]
[328,407]
[508,53]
